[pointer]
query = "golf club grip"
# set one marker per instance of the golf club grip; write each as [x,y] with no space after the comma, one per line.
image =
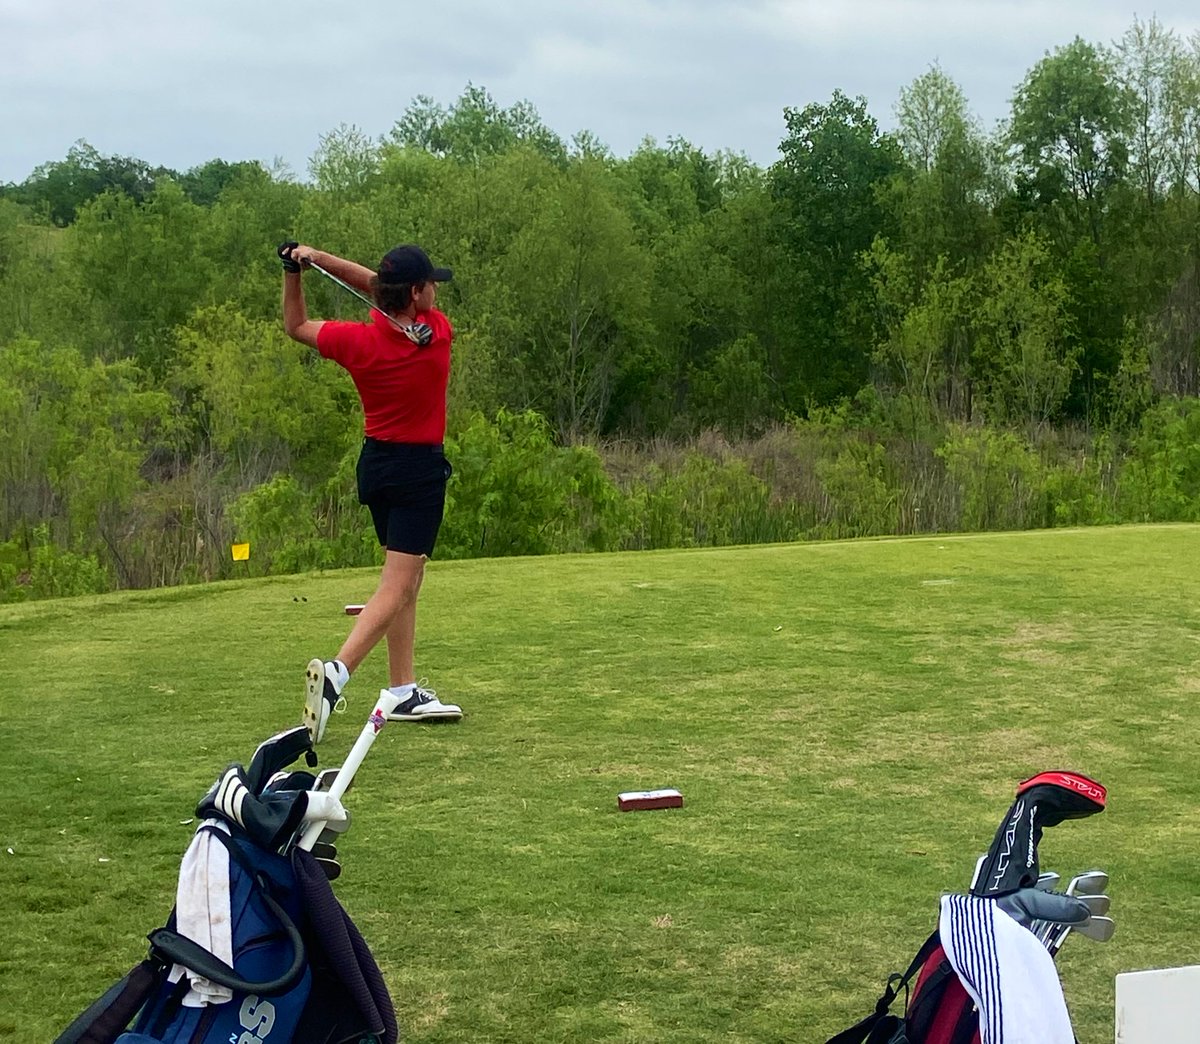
[375,723]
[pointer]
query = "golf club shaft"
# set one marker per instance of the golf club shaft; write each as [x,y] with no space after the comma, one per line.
[343,284]
[388,702]
[360,295]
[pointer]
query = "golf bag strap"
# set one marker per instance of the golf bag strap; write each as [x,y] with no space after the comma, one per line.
[168,945]
[109,1015]
[924,1005]
[858,1033]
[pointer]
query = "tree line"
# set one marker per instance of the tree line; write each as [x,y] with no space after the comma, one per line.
[858,337]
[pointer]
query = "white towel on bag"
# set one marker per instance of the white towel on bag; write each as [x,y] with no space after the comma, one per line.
[202,911]
[1009,974]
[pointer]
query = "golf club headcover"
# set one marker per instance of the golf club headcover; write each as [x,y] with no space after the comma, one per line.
[285,256]
[269,821]
[275,754]
[297,780]
[1044,800]
[1029,905]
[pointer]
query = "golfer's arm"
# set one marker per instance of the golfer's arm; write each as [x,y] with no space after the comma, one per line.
[295,312]
[356,275]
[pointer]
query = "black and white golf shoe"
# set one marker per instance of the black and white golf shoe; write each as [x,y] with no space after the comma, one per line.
[322,696]
[423,705]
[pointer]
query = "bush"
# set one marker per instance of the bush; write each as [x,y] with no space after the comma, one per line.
[281,522]
[1160,480]
[514,492]
[706,502]
[1074,493]
[997,477]
[856,484]
[47,571]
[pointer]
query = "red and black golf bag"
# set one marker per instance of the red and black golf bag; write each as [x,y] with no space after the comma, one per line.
[938,1008]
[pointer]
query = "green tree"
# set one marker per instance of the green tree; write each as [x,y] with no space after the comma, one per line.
[263,403]
[1025,356]
[924,353]
[140,270]
[345,162]
[203,184]
[73,438]
[942,205]
[61,187]
[1070,135]
[474,127]
[584,288]
[827,184]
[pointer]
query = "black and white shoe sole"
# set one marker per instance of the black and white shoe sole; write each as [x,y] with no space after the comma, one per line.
[316,707]
[442,715]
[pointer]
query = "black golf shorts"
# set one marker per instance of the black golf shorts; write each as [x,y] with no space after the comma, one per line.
[404,486]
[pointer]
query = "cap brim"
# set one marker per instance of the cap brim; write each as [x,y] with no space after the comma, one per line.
[442,275]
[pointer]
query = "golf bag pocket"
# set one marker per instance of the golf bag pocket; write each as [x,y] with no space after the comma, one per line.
[938,1009]
[269,977]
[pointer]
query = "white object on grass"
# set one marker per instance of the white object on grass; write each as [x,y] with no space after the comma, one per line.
[1158,1007]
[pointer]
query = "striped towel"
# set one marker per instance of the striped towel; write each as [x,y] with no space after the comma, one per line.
[1008,973]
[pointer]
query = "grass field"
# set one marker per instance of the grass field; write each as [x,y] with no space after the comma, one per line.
[847,722]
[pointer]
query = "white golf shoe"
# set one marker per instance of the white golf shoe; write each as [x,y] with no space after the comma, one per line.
[423,705]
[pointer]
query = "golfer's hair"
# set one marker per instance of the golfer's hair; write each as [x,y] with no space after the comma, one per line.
[392,297]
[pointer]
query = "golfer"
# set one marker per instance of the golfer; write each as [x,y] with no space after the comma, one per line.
[400,364]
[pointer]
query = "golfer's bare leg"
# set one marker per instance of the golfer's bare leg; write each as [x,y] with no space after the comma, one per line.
[401,639]
[395,596]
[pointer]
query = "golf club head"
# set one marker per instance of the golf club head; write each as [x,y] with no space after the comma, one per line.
[333,829]
[1033,909]
[1098,904]
[1047,881]
[1098,929]
[331,867]
[1090,882]
[325,779]
[270,819]
[285,780]
[1042,801]
[324,850]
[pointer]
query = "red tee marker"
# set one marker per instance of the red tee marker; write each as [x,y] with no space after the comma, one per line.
[641,800]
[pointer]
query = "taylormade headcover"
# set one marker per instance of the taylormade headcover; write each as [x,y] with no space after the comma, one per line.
[1044,800]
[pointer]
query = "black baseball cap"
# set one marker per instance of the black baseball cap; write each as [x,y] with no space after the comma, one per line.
[410,264]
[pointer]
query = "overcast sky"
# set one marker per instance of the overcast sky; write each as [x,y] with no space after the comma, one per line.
[178,83]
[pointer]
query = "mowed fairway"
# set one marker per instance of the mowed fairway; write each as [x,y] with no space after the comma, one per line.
[847,722]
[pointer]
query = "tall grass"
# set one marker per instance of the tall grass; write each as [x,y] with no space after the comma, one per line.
[515,492]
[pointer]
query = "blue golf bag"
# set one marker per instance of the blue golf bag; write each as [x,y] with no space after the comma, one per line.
[300,970]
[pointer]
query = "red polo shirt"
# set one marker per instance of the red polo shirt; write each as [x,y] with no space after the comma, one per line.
[402,385]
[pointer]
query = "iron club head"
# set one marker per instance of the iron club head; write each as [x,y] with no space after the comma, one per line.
[1098,904]
[1099,929]
[1090,882]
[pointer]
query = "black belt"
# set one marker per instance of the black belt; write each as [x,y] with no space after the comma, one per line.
[414,447]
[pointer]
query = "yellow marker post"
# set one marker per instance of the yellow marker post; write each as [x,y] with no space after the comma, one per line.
[241,552]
